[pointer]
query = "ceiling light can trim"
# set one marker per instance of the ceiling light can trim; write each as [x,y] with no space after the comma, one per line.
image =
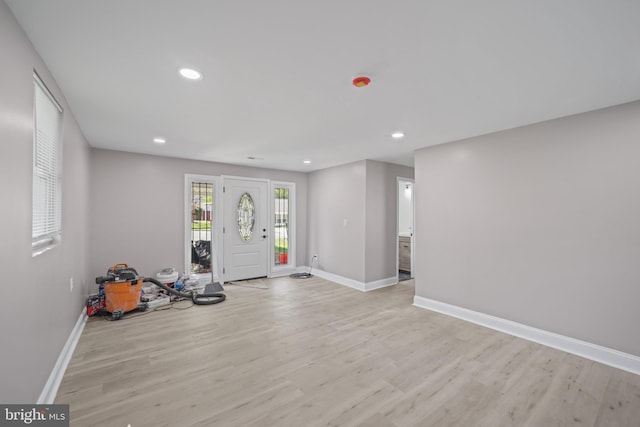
[159,140]
[397,135]
[190,73]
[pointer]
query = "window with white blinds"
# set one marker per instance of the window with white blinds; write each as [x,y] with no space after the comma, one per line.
[47,207]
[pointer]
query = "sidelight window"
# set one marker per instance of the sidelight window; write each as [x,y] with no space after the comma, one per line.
[283,220]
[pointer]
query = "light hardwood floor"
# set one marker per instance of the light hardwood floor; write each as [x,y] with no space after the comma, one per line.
[312,353]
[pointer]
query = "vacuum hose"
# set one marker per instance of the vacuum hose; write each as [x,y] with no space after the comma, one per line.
[200,299]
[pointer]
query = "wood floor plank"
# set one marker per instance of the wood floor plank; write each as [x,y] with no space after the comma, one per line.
[570,399]
[620,406]
[307,353]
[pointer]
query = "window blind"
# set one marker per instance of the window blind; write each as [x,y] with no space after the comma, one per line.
[46,207]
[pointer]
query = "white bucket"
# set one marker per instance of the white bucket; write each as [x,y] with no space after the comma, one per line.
[167,278]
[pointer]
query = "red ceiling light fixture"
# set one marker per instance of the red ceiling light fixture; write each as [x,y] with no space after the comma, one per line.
[361,81]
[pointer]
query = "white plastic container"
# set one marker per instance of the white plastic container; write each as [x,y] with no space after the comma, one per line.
[150,290]
[167,276]
[159,302]
[195,286]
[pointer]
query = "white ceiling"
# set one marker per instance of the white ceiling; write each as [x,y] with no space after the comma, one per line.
[277,74]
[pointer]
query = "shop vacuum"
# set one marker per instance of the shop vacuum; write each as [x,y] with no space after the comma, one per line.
[121,288]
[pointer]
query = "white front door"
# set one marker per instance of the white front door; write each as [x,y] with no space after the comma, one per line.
[245,231]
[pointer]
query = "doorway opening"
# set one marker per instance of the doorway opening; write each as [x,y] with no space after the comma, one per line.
[238,228]
[405,227]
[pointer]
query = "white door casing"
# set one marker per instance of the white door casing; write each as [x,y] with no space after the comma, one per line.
[245,257]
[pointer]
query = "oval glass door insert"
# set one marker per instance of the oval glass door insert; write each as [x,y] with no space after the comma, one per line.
[246,216]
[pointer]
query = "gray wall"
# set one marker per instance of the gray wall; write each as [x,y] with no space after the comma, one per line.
[539,225]
[38,309]
[137,208]
[381,219]
[335,195]
[365,194]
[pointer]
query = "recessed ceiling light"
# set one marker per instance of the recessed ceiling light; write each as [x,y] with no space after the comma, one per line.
[191,74]
[306,162]
[159,140]
[397,135]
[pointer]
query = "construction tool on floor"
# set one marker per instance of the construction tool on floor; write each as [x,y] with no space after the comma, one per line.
[197,298]
[122,287]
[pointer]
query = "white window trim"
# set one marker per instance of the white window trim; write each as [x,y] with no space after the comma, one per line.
[216,230]
[45,242]
[291,265]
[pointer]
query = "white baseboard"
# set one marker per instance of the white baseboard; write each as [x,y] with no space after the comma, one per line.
[355,284]
[288,271]
[598,353]
[48,394]
[382,283]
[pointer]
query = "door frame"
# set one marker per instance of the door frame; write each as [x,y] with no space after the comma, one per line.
[217,247]
[220,248]
[413,224]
